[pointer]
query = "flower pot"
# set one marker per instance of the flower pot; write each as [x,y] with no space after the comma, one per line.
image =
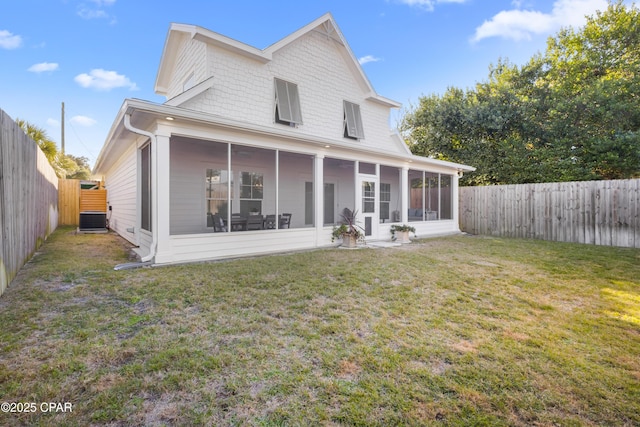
[349,241]
[403,237]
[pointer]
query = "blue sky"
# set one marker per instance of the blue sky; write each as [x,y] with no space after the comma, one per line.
[92,54]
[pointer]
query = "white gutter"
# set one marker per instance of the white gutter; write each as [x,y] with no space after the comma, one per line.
[152,137]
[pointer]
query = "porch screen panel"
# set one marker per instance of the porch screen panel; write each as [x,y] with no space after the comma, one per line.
[390,194]
[416,195]
[199,184]
[309,204]
[329,203]
[254,195]
[432,196]
[217,183]
[295,190]
[338,175]
[145,188]
[446,197]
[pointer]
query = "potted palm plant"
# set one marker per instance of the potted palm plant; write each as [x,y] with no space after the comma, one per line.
[403,231]
[348,231]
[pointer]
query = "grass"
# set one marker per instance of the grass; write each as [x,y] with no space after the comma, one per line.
[452,331]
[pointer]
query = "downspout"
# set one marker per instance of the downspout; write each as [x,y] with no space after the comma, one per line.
[152,137]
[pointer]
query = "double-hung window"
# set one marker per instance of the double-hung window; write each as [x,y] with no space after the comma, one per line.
[287,103]
[352,121]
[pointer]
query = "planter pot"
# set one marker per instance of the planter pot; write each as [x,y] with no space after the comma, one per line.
[349,241]
[403,237]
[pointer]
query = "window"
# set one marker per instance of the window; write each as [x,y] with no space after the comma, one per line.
[385,200]
[368,197]
[390,194]
[251,192]
[329,203]
[287,103]
[145,188]
[217,185]
[352,121]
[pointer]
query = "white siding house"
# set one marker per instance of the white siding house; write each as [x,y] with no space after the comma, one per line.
[260,150]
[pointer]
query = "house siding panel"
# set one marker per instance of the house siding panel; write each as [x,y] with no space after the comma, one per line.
[228,245]
[189,162]
[191,59]
[121,183]
[244,90]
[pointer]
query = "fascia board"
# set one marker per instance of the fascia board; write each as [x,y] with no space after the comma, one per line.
[227,43]
[162,111]
[191,93]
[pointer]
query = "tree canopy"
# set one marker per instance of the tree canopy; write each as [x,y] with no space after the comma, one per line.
[571,113]
[65,166]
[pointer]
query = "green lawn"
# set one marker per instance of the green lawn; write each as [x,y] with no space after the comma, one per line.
[450,331]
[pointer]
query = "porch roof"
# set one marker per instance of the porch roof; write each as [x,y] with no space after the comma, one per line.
[145,115]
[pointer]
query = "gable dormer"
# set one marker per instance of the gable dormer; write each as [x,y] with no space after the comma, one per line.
[309,81]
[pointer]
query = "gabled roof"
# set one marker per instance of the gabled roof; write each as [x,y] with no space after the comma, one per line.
[324,24]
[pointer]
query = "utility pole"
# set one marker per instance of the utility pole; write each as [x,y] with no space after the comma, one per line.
[62,125]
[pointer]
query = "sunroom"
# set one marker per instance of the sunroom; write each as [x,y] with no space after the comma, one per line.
[222,187]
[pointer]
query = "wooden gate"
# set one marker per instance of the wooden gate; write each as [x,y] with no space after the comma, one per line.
[73,199]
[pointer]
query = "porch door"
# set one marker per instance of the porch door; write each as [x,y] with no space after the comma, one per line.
[369,215]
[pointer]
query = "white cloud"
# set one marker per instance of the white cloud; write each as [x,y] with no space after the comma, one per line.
[53,123]
[428,4]
[96,10]
[83,121]
[368,58]
[524,24]
[88,13]
[42,67]
[100,79]
[9,41]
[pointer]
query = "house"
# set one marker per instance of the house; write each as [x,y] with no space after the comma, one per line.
[259,151]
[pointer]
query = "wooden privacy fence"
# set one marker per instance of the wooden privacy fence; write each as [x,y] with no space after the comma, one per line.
[28,199]
[73,199]
[595,212]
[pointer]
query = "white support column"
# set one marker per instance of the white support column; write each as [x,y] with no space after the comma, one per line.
[162,199]
[357,189]
[277,189]
[404,188]
[454,199]
[318,192]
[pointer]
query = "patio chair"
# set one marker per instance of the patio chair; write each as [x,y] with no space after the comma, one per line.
[285,220]
[255,222]
[270,222]
[218,224]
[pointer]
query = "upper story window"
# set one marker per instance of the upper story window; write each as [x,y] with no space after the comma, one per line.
[287,103]
[352,121]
